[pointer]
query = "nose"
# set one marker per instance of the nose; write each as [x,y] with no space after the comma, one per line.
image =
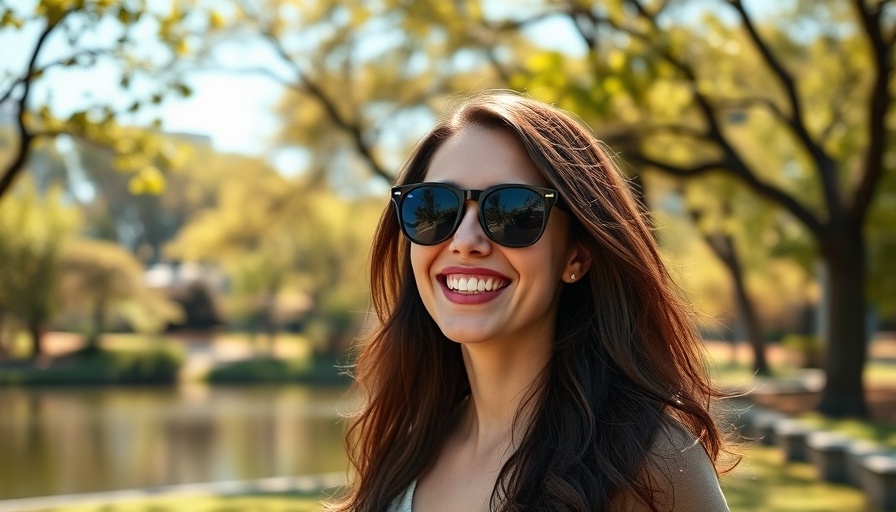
[469,237]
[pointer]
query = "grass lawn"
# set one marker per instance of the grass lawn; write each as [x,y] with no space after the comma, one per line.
[260,503]
[763,483]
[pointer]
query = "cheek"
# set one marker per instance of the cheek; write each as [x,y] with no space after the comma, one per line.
[558,233]
[422,258]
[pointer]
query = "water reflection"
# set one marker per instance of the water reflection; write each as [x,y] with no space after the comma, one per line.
[60,441]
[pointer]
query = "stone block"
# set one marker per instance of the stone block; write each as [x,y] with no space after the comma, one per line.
[827,452]
[790,437]
[879,482]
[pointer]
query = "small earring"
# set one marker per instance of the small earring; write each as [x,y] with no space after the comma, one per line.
[572,277]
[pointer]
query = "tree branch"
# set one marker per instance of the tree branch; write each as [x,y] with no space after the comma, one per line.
[881,100]
[352,129]
[26,138]
[762,188]
[43,69]
[824,164]
[732,162]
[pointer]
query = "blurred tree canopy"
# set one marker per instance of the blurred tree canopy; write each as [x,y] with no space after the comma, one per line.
[284,245]
[33,229]
[720,95]
[80,36]
[775,122]
[101,278]
[791,102]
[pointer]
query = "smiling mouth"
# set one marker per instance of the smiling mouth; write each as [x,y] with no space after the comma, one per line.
[474,284]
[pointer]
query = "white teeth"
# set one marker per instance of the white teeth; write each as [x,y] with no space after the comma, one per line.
[474,284]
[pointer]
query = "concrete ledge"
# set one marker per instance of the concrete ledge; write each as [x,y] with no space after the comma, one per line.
[790,436]
[880,481]
[763,426]
[303,483]
[827,452]
[856,453]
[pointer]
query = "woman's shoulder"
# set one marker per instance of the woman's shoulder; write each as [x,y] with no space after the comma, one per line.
[681,473]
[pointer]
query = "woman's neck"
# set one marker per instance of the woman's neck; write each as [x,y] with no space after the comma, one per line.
[502,384]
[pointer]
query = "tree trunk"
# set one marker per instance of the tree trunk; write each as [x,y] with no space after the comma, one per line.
[845,336]
[750,319]
[98,326]
[269,320]
[5,351]
[723,247]
[35,331]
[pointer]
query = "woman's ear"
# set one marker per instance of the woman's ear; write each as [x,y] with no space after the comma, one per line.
[578,261]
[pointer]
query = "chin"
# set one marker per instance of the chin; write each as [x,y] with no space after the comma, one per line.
[466,335]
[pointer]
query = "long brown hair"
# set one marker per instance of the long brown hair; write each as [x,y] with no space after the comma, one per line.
[625,358]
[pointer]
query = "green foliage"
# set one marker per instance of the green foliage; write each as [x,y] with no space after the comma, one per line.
[123,44]
[809,347]
[261,370]
[154,366]
[286,246]
[33,230]
[99,278]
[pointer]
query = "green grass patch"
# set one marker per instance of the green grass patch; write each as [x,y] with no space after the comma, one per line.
[764,483]
[254,503]
[881,433]
[157,365]
[881,373]
[727,375]
[269,369]
[761,483]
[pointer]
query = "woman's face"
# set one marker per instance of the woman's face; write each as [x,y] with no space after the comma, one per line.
[521,307]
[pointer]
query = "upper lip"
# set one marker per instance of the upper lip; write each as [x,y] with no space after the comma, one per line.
[472,271]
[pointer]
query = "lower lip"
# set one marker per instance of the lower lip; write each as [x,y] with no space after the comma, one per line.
[470,298]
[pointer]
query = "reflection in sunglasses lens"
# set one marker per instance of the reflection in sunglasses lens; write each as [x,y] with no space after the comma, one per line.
[428,214]
[513,216]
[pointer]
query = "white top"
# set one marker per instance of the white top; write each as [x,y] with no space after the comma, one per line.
[404,501]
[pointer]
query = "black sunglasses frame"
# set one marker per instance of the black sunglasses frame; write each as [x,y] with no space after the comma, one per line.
[548,195]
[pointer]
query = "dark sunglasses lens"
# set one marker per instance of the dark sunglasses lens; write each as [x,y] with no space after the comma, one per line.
[428,214]
[514,216]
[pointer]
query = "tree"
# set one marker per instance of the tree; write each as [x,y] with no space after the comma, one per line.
[102,278]
[696,90]
[363,79]
[276,238]
[32,232]
[715,223]
[81,24]
[708,89]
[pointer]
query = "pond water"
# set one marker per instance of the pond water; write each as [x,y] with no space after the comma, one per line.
[75,440]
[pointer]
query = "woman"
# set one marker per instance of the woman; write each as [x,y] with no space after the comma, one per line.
[532,353]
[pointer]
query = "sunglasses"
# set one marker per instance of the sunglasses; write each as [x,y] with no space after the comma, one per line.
[510,215]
